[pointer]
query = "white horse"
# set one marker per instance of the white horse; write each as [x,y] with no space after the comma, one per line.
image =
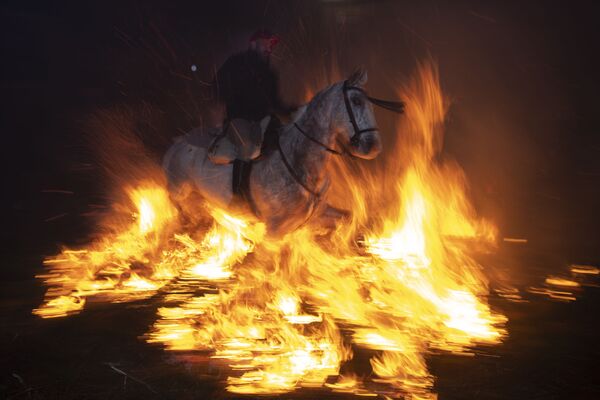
[288,184]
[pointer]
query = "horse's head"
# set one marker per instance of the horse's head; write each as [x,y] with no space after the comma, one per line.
[354,120]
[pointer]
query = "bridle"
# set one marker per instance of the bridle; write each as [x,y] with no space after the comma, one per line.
[395,106]
[354,140]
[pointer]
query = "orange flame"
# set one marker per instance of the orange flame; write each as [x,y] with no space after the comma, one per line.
[106,267]
[283,314]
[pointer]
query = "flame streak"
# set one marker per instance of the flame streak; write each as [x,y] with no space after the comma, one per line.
[106,267]
[282,314]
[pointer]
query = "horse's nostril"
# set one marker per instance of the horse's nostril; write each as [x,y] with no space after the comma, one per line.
[369,142]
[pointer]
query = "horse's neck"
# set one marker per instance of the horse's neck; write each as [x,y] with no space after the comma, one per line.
[308,158]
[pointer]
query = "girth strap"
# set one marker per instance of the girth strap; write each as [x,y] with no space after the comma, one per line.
[240,185]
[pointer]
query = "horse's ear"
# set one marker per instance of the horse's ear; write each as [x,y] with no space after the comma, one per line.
[358,78]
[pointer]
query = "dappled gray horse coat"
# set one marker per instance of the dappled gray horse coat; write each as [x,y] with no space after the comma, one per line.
[286,196]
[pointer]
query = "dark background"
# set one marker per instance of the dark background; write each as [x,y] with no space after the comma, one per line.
[524,123]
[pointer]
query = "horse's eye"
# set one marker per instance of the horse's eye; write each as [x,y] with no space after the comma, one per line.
[357,101]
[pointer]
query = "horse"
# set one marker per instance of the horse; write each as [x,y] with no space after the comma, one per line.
[287,185]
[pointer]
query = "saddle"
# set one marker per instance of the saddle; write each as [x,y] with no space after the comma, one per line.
[240,139]
[240,143]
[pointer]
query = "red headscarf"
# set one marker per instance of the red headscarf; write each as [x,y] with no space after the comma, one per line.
[265,34]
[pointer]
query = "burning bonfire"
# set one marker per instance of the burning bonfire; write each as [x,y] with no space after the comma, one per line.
[396,281]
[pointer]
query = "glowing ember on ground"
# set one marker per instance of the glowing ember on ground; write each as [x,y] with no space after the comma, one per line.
[566,288]
[289,314]
[585,270]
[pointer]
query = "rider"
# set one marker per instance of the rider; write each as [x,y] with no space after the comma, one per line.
[249,87]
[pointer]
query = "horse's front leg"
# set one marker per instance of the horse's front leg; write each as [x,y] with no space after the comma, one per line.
[330,217]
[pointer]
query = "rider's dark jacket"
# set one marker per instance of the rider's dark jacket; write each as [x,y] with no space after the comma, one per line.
[248,86]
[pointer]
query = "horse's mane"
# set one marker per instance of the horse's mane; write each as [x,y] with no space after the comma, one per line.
[297,115]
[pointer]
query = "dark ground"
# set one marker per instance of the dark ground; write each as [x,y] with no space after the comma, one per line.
[524,125]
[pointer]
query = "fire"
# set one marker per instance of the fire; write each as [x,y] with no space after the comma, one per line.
[279,314]
[106,267]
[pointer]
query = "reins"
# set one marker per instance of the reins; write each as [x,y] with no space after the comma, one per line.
[293,172]
[333,151]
